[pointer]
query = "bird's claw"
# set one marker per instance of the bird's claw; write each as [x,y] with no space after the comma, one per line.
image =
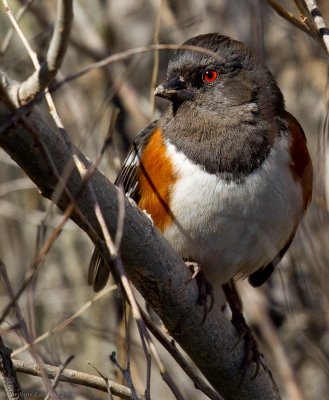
[205,289]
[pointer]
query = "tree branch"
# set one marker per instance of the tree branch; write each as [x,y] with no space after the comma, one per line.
[289,17]
[73,376]
[151,264]
[41,78]
[8,375]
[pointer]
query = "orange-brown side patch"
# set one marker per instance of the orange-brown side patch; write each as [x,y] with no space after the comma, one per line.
[301,162]
[155,181]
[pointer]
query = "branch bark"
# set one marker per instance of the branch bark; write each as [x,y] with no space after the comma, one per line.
[151,264]
[73,376]
[8,375]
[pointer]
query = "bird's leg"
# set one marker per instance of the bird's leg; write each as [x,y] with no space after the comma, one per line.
[252,353]
[204,286]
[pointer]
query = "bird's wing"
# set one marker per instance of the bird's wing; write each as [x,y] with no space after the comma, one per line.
[302,170]
[128,176]
[99,272]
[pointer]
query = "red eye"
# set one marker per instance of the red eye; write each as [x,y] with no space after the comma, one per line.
[209,75]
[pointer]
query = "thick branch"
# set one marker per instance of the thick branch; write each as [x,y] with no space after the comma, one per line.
[151,264]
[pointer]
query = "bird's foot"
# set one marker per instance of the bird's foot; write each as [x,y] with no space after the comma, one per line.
[252,353]
[205,288]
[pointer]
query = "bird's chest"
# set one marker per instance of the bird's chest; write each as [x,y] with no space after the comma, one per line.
[233,227]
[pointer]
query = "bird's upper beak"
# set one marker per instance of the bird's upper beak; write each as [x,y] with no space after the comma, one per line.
[174,89]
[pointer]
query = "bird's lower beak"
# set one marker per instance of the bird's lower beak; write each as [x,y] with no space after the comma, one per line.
[175,89]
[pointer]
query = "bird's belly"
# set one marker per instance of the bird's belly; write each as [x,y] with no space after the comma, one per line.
[234,228]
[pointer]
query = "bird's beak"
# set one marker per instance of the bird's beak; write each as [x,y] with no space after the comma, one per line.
[174,89]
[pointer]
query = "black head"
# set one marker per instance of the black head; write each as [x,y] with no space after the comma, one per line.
[225,107]
[226,74]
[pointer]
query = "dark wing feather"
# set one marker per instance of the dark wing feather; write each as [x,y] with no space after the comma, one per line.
[99,271]
[128,176]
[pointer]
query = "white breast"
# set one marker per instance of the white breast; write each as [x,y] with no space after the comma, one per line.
[234,228]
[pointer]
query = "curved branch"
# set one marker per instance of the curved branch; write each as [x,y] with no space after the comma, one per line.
[73,376]
[151,264]
[42,77]
[289,17]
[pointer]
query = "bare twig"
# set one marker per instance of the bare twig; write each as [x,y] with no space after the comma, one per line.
[45,73]
[155,57]
[174,352]
[126,373]
[37,264]
[289,17]
[58,328]
[59,373]
[106,380]
[24,329]
[76,377]
[18,16]
[307,18]
[8,375]
[129,53]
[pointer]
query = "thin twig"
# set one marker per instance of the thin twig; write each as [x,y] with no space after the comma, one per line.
[306,17]
[59,373]
[76,377]
[45,73]
[24,330]
[155,58]
[58,328]
[129,53]
[38,82]
[20,33]
[289,17]
[126,374]
[199,383]
[18,16]
[106,379]
[38,262]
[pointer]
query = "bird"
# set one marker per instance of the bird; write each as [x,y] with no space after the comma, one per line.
[224,173]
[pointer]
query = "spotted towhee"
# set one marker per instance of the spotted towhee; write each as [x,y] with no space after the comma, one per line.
[225,172]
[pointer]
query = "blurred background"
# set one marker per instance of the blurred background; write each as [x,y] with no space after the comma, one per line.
[289,314]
